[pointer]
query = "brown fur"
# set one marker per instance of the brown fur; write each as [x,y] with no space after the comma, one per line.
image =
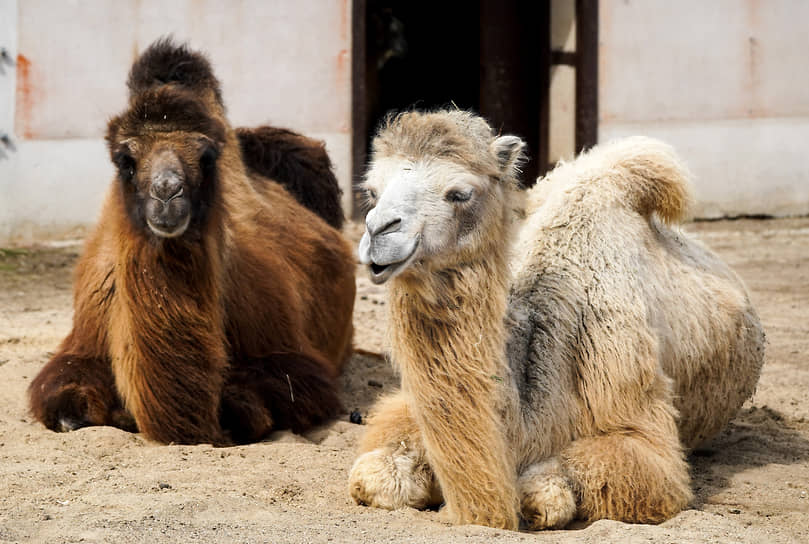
[166,63]
[300,164]
[205,335]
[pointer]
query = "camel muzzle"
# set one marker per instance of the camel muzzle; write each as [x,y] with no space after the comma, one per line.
[387,254]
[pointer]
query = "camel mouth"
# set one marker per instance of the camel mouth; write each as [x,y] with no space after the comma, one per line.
[380,273]
[173,233]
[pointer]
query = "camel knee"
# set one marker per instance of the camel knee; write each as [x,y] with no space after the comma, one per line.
[547,500]
[628,478]
[72,392]
[392,479]
[73,407]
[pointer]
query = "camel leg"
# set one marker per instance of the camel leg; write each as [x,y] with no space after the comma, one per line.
[631,477]
[392,471]
[71,392]
[280,391]
[625,477]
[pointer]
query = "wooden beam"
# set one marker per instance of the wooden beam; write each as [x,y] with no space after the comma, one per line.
[359,113]
[544,96]
[566,58]
[586,74]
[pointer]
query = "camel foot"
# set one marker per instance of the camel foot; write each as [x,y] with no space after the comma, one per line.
[392,479]
[546,496]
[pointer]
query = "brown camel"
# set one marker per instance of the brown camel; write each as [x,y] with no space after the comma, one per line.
[210,306]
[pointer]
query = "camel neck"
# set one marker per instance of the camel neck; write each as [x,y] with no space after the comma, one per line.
[451,321]
[166,321]
[448,339]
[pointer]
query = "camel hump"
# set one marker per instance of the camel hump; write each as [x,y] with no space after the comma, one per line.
[300,164]
[649,173]
[164,63]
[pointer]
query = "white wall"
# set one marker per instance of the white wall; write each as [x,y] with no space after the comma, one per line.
[8,83]
[724,81]
[281,62]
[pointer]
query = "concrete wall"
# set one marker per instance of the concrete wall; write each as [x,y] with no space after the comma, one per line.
[280,62]
[725,82]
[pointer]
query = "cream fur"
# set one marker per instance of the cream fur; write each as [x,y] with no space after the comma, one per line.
[625,343]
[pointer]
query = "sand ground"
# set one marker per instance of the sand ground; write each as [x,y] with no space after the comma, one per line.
[105,485]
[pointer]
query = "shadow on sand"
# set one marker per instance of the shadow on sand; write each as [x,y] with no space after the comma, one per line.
[757,437]
[366,377]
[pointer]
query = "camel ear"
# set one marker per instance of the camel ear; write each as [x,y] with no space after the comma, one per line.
[509,151]
[113,126]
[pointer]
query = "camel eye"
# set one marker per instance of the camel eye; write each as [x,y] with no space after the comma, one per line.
[457,197]
[207,160]
[126,166]
[367,200]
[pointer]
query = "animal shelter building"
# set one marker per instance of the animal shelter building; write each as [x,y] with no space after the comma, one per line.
[722,81]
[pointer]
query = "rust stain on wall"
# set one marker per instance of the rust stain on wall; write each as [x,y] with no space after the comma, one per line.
[26,99]
[755,107]
[342,65]
[343,61]
[342,81]
[344,7]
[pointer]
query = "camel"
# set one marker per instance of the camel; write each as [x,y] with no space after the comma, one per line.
[567,379]
[298,163]
[210,305]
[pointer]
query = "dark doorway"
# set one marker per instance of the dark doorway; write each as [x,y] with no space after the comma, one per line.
[489,56]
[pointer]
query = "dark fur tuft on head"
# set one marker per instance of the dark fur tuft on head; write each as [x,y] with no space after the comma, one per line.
[165,110]
[165,63]
[300,164]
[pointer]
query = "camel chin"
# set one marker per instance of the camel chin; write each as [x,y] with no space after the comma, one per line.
[386,256]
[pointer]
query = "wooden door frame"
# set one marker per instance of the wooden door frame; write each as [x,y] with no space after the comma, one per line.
[359,115]
[585,60]
[586,74]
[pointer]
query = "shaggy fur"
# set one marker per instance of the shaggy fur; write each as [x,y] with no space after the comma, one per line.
[456,384]
[300,164]
[454,136]
[447,334]
[233,328]
[166,63]
[626,344]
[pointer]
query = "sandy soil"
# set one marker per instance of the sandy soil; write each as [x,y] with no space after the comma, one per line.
[105,485]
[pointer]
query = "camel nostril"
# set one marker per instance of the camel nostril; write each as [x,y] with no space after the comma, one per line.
[391,226]
[166,192]
[177,194]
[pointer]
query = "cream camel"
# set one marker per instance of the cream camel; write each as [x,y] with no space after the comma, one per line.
[620,344]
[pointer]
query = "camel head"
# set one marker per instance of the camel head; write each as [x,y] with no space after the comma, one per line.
[165,148]
[438,187]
